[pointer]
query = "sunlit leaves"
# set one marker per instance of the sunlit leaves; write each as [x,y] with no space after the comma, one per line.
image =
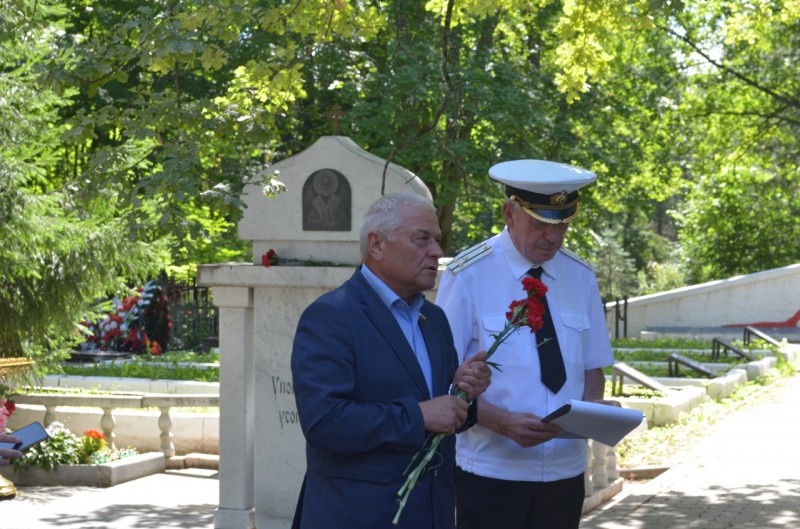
[166,109]
[261,84]
[745,162]
[322,19]
[467,10]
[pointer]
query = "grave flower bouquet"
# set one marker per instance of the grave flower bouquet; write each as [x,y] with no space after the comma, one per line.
[140,323]
[269,258]
[91,442]
[526,312]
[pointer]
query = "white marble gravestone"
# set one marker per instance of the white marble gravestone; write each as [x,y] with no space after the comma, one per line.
[262,450]
[329,186]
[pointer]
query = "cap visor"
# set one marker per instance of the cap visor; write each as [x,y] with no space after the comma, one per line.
[553,216]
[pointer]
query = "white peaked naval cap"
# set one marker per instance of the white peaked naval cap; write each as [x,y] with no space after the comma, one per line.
[547,191]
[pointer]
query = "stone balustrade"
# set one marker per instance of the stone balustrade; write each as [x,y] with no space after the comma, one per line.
[602,478]
[109,402]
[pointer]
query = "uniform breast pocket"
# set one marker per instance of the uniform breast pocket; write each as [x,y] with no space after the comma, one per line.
[516,350]
[575,324]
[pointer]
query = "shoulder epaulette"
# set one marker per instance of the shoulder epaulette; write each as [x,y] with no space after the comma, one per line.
[581,260]
[469,257]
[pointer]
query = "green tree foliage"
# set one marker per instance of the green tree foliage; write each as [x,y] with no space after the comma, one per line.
[147,121]
[58,255]
[452,88]
[615,271]
[143,120]
[743,212]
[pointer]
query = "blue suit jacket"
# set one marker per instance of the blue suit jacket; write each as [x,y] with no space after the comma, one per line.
[357,384]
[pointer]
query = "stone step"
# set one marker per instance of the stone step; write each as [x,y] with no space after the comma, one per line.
[791,334]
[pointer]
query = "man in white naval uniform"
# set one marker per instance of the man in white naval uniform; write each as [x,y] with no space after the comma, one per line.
[513,472]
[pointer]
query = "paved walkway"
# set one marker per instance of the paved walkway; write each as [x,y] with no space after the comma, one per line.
[171,499]
[744,474]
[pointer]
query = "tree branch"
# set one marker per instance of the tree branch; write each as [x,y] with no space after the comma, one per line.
[783,98]
[447,91]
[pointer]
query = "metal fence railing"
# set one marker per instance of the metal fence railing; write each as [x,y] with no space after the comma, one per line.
[195,319]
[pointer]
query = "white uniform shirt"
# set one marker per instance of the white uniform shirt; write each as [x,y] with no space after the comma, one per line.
[476,300]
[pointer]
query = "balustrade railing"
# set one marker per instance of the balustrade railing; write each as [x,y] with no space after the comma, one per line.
[109,402]
[601,465]
[601,468]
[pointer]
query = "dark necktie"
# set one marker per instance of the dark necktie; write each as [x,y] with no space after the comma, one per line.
[551,362]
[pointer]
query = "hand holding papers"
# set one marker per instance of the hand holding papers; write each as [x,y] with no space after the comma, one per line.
[607,424]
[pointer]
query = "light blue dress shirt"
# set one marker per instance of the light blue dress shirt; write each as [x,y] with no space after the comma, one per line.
[407,317]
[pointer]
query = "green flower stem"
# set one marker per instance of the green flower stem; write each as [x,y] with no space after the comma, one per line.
[413,476]
[510,327]
[500,338]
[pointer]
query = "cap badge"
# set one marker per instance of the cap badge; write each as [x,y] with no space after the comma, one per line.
[558,199]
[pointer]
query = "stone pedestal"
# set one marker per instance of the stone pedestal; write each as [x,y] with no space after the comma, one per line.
[237,388]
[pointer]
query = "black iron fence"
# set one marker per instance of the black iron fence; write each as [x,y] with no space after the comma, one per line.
[195,320]
[620,316]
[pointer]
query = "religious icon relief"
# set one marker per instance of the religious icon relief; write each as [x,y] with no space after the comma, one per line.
[326,201]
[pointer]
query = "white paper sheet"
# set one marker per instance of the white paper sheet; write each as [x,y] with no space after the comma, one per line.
[601,422]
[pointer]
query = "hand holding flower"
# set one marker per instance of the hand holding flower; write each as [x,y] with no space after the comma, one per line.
[470,381]
[473,375]
[444,415]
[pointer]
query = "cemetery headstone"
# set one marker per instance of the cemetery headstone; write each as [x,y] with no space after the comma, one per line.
[329,186]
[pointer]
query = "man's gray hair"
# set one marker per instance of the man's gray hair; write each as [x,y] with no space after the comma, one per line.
[383,216]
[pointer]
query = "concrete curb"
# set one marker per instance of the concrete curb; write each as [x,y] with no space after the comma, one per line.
[104,475]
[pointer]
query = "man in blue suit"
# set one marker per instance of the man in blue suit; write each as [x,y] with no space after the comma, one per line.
[372,364]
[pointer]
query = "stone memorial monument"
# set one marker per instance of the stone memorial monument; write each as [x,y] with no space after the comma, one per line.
[313,228]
